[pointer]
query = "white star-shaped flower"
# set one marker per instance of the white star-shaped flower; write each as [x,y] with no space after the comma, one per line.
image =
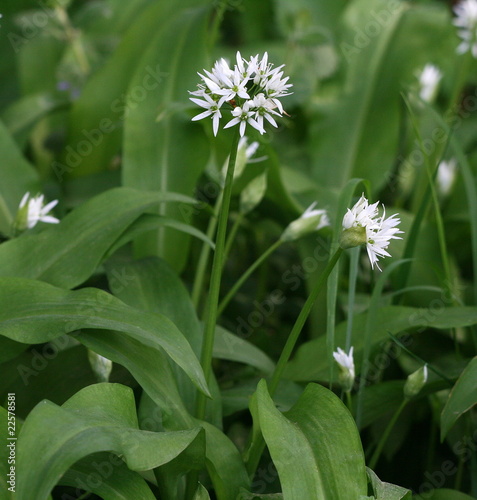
[212,109]
[32,211]
[429,79]
[466,20]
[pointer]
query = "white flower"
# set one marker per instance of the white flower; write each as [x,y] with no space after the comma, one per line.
[466,20]
[346,364]
[362,225]
[311,220]
[446,174]
[32,210]
[429,79]
[244,115]
[251,91]
[212,110]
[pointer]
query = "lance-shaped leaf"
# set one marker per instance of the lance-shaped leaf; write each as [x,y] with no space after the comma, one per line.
[100,417]
[36,312]
[315,446]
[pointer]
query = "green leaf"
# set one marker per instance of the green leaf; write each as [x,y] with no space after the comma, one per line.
[201,493]
[443,494]
[310,361]
[18,177]
[387,491]
[100,417]
[462,398]
[315,446]
[66,254]
[154,156]
[232,347]
[116,481]
[37,312]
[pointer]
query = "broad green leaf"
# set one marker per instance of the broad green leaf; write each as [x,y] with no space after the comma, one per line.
[232,347]
[18,177]
[66,254]
[37,312]
[461,399]
[150,367]
[443,494]
[117,482]
[98,114]
[9,349]
[101,417]
[387,491]
[310,361]
[152,285]
[167,152]
[246,495]
[315,446]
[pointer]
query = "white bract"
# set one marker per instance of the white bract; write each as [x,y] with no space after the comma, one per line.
[250,92]
[346,364]
[32,210]
[466,22]
[312,219]
[363,225]
[429,79]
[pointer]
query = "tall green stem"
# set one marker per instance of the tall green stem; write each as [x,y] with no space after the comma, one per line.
[384,437]
[215,279]
[256,448]
[223,304]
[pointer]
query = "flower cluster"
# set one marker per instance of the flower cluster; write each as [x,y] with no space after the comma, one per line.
[363,225]
[251,90]
[32,210]
[466,21]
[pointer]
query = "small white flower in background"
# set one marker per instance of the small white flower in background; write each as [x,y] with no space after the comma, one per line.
[363,225]
[446,174]
[311,220]
[415,382]
[250,92]
[32,210]
[429,79]
[466,21]
[100,365]
[346,364]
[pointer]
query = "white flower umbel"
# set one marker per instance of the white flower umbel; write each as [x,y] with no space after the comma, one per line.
[346,364]
[429,79]
[363,225]
[249,93]
[466,22]
[311,220]
[32,210]
[446,174]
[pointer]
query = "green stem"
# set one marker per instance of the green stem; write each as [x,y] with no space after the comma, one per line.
[204,255]
[384,437]
[216,275]
[232,234]
[246,275]
[256,448]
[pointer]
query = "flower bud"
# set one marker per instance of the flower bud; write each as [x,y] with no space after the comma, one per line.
[310,221]
[100,365]
[346,366]
[253,193]
[415,382]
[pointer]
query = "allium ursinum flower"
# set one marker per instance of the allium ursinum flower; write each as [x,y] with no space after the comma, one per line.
[415,382]
[311,220]
[446,174]
[466,21]
[346,364]
[363,225]
[245,152]
[429,79]
[31,211]
[250,92]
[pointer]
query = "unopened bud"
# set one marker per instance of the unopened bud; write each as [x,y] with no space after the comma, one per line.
[353,237]
[415,382]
